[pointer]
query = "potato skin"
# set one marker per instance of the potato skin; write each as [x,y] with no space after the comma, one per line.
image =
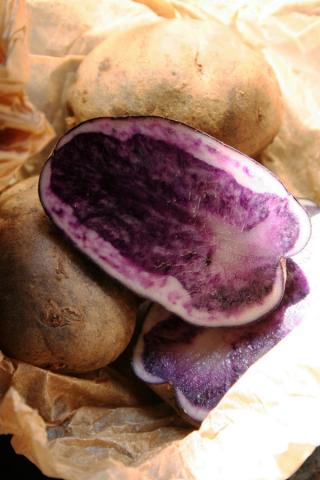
[57,309]
[167,392]
[197,72]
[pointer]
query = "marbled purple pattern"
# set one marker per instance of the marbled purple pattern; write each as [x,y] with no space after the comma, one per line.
[173,214]
[203,363]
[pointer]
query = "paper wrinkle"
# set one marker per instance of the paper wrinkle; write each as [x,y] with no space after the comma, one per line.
[61,27]
[24,131]
[106,425]
[48,81]
[76,427]
[290,40]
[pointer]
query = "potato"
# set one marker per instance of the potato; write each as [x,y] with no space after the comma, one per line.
[57,309]
[197,72]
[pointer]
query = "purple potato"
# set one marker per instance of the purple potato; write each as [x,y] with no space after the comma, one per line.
[193,367]
[176,216]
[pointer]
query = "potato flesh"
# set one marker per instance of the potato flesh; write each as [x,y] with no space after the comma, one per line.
[201,364]
[176,216]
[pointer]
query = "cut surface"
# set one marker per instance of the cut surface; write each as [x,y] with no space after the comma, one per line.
[201,364]
[176,216]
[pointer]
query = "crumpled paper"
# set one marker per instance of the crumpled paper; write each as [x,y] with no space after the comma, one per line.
[75,427]
[106,425]
[24,131]
[69,27]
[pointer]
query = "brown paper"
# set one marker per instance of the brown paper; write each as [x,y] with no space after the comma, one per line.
[107,425]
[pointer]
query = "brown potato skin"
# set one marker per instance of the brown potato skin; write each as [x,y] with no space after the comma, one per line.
[197,72]
[57,309]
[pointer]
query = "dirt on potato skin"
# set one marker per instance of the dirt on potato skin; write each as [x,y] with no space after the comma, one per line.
[57,309]
[197,72]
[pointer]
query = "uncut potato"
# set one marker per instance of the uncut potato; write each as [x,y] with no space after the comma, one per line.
[57,310]
[197,72]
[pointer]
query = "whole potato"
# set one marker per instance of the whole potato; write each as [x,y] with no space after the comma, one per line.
[57,310]
[197,72]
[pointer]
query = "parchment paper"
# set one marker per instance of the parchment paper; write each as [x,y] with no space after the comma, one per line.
[107,425]
[24,131]
[70,27]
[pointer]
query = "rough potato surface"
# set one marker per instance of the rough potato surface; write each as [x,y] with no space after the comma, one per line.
[197,72]
[57,310]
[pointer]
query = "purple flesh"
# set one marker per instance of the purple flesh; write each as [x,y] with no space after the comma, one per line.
[200,363]
[176,216]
